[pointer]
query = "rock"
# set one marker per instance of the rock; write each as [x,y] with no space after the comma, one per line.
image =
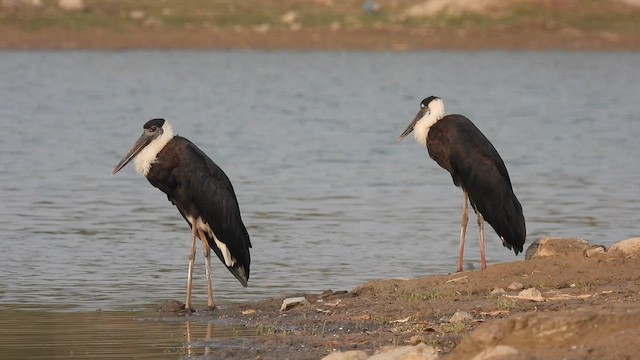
[628,248]
[500,352]
[71,5]
[20,3]
[497,291]
[531,293]
[262,28]
[418,352]
[461,316]
[549,246]
[137,14]
[248,312]
[416,339]
[630,2]
[290,17]
[595,250]
[592,331]
[451,7]
[515,286]
[347,355]
[171,306]
[292,302]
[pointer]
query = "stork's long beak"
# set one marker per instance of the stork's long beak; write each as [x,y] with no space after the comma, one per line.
[409,128]
[142,141]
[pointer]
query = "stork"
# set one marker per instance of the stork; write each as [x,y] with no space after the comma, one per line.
[203,195]
[459,147]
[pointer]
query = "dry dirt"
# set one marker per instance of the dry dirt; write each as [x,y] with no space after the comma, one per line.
[588,310]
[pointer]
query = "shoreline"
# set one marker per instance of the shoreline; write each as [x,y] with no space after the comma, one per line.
[567,299]
[364,39]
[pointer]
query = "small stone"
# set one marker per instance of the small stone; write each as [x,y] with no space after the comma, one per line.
[71,5]
[461,316]
[20,3]
[290,17]
[497,353]
[415,340]
[497,291]
[595,250]
[137,14]
[417,352]
[171,306]
[262,28]
[347,355]
[292,302]
[531,293]
[515,286]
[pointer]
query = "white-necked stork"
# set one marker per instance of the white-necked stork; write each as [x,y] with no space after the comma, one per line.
[459,147]
[202,193]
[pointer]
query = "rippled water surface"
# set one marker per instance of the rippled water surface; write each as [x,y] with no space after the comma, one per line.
[309,142]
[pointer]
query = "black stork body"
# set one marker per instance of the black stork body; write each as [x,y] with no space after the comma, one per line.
[202,193]
[457,145]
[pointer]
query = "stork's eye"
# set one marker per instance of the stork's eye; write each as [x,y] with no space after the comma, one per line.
[152,129]
[422,106]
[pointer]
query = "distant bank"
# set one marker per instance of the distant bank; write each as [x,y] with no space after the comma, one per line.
[315,39]
[380,25]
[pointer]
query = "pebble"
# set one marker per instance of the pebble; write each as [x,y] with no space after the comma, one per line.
[461,316]
[347,355]
[497,352]
[595,250]
[291,302]
[417,352]
[515,286]
[531,293]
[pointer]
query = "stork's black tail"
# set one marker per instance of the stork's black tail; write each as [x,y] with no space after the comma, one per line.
[241,273]
[502,210]
[507,220]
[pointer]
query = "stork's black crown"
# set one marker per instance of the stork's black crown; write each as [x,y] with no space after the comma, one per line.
[426,101]
[154,122]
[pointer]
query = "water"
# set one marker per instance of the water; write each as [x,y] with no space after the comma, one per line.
[109,335]
[309,141]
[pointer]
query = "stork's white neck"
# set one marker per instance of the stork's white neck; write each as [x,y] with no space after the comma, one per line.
[148,155]
[435,113]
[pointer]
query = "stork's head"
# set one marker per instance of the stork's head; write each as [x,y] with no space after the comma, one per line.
[156,134]
[431,110]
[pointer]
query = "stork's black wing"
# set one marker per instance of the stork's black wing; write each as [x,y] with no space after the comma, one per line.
[212,194]
[480,170]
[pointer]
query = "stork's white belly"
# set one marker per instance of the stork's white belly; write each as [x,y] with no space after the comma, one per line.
[201,225]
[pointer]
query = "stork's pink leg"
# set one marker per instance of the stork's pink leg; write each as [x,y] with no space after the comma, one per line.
[483,262]
[463,227]
[207,258]
[192,257]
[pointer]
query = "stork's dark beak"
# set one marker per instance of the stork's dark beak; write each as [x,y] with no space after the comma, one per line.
[411,126]
[142,141]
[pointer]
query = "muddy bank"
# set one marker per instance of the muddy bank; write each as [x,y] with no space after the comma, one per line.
[376,39]
[586,308]
[321,25]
